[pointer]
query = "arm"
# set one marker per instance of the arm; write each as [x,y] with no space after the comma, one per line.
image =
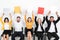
[1,17]
[2,26]
[2,22]
[42,29]
[43,20]
[25,16]
[36,29]
[47,16]
[32,17]
[10,22]
[35,19]
[58,17]
[10,19]
[47,19]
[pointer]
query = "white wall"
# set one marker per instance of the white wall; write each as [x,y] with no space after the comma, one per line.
[53,5]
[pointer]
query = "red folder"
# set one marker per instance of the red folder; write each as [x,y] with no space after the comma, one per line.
[40,10]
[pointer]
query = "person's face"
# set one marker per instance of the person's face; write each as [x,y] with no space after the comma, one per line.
[39,20]
[6,21]
[51,19]
[29,19]
[18,19]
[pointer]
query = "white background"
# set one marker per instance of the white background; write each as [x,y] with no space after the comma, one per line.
[53,5]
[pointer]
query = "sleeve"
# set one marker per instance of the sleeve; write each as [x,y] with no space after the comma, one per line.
[57,19]
[10,23]
[43,20]
[47,19]
[0,19]
[35,19]
[2,23]
[25,18]
[2,26]
[35,29]
[32,17]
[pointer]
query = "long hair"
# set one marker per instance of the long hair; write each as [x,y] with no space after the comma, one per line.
[5,19]
[28,19]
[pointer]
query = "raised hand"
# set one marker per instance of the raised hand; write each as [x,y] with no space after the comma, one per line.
[32,12]
[3,14]
[57,13]
[25,12]
[10,15]
[49,13]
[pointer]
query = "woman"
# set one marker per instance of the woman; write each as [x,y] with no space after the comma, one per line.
[1,24]
[29,29]
[7,27]
[39,28]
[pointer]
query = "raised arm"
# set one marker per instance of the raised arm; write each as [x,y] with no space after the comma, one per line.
[47,16]
[32,17]
[2,22]
[10,18]
[1,17]
[10,22]
[57,17]
[25,16]
[35,19]
[43,20]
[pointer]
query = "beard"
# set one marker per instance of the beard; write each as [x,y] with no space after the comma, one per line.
[18,21]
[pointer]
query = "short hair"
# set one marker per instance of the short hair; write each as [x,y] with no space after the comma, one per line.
[51,17]
[18,16]
[5,19]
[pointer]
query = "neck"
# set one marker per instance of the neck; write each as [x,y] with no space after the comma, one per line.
[18,21]
[39,23]
[51,21]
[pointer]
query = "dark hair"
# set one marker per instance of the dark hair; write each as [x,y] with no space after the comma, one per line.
[5,19]
[51,17]
[29,18]
[18,16]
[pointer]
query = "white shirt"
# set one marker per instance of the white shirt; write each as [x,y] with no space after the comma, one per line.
[6,26]
[18,26]
[52,27]
[39,28]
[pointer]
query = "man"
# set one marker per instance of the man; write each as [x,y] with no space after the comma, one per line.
[51,28]
[18,29]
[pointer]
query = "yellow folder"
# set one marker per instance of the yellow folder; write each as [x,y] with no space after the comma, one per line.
[17,9]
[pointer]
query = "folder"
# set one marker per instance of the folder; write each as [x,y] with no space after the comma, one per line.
[17,10]
[40,10]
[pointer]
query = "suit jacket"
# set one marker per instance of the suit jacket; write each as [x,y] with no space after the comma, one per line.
[38,24]
[49,23]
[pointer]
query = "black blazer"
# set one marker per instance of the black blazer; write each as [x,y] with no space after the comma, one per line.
[37,24]
[49,23]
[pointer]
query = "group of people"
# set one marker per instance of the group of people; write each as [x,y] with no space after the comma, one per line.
[17,26]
